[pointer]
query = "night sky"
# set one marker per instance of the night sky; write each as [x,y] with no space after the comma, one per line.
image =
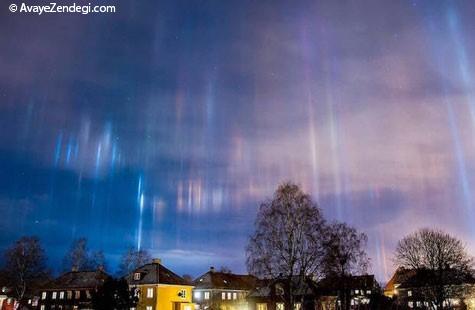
[163,125]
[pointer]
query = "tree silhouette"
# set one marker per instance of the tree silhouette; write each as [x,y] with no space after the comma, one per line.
[288,242]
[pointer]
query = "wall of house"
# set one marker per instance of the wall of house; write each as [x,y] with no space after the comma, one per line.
[169,299]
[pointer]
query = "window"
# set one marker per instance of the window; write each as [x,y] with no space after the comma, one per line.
[262,306]
[279,306]
[54,295]
[187,307]
[149,308]
[297,306]
[43,295]
[206,295]
[42,307]
[223,295]
[150,292]
[88,294]
[70,294]
[77,294]
[229,295]
[410,304]
[182,294]
[368,292]
[137,276]
[409,293]
[197,295]
[61,295]
[234,295]
[418,303]
[357,291]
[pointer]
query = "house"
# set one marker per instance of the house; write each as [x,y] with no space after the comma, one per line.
[419,289]
[72,290]
[399,277]
[269,294]
[158,288]
[359,291]
[222,290]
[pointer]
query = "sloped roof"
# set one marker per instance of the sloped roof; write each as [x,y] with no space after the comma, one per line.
[78,279]
[421,278]
[155,273]
[267,288]
[354,282]
[399,276]
[223,280]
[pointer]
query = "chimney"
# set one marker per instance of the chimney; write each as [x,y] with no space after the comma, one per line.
[157,261]
[211,269]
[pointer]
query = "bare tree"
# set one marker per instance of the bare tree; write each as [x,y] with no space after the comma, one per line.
[442,264]
[25,265]
[287,242]
[79,258]
[132,259]
[345,256]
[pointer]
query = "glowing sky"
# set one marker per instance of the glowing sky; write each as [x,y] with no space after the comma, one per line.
[162,126]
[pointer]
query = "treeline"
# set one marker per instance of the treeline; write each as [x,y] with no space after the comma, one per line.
[25,267]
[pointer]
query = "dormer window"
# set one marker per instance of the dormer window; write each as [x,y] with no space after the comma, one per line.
[137,276]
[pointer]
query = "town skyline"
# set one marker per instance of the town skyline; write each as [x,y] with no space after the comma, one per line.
[163,125]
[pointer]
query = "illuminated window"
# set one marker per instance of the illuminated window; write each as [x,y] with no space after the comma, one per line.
[410,304]
[43,295]
[409,293]
[206,295]
[61,295]
[149,308]
[197,295]
[279,306]
[42,307]
[137,276]
[187,307]
[70,294]
[357,291]
[297,306]
[88,294]
[150,292]
[77,294]
[234,295]
[229,295]
[262,306]
[368,292]
[223,295]
[54,295]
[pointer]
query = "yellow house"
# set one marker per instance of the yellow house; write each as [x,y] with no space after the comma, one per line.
[159,288]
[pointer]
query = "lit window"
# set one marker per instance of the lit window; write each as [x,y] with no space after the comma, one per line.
[70,294]
[279,306]
[234,295]
[88,294]
[43,295]
[368,292]
[61,295]
[197,295]
[223,295]
[150,292]
[297,306]
[149,308]
[182,294]
[77,294]
[418,303]
[42,307]
[409,293]
[262,306]
[54,295]
[206,295]
[357,291]
[410,304]
[187,307]
[137,276]
[229,295]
